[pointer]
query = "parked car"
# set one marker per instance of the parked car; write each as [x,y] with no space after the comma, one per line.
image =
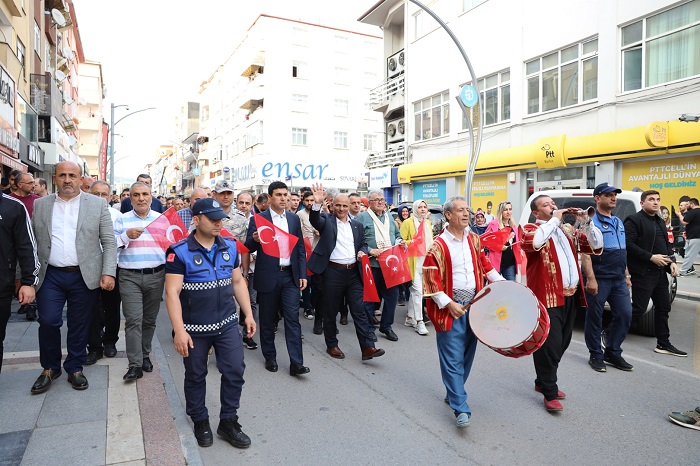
[628,203]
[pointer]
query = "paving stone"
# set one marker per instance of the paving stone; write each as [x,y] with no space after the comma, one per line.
[78,444]
[13,446]
[19,409]
[66,406]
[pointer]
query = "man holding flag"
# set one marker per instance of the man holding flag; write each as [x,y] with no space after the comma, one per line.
[141,262]
[417,231]
[381,234]
[280,273]
[335,257]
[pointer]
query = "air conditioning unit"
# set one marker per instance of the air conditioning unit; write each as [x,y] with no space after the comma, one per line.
[395,64]
[395,130]
[394,148]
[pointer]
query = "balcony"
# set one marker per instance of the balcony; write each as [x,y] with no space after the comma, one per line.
[391,157]
[10,60]
[389,95]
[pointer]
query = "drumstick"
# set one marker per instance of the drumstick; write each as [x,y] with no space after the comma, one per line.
[476,298]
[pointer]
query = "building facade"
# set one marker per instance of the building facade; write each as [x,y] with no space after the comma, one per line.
[572,94]
[91,128]
[291,103]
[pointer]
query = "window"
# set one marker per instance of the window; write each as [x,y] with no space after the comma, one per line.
[495,97]
[370,141]
[298,69]
[300,102]
[470,4]
[432,116]
[21,52]
[47,56]
[299,136]
[342,75]
[661,48]
[563,78]
[340,140]
[341,108]
[37,39]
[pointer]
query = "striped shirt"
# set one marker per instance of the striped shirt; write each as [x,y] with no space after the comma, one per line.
[142,252]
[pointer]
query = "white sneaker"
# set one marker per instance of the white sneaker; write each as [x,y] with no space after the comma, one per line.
[420,328]
[410,322]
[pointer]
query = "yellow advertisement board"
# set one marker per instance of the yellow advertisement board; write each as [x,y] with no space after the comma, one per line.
[673,178]
[489,188]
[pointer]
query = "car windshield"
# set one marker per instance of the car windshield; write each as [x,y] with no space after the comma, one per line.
[624,207]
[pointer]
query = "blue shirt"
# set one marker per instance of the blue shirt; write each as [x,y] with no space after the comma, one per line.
[613,261]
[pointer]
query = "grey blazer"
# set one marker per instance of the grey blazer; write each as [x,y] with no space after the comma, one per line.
[95,243]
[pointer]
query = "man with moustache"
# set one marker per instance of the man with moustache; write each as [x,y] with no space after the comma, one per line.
[156,205]
[141,279]
[77,253]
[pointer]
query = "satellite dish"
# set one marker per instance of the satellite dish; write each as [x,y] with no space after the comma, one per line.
[72,140]
[68,53]
[58,17]
[83,101]
[68,99]
[60,76]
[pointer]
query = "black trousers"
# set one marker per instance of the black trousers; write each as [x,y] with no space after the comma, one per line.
[342,286]
[652,284]
[107,315]
[317,299]
[546,359]
[5,303]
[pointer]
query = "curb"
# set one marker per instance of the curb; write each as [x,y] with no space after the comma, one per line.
[690,296]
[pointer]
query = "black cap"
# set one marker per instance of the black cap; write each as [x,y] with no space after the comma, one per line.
[603,188]
[209,207]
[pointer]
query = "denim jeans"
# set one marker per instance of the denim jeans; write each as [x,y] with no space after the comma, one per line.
[616,293]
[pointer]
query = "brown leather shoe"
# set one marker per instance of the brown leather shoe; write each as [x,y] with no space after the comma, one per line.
[335,353]
[371,352]
[43,383]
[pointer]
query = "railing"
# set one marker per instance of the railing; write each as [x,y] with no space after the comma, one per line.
[381,94]
[387,158]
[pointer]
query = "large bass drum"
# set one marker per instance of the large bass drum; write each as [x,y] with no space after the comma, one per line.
[508,318]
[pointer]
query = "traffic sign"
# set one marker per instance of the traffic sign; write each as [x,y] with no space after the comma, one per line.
[469,95]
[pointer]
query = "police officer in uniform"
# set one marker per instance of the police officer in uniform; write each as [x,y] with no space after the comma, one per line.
[202,276]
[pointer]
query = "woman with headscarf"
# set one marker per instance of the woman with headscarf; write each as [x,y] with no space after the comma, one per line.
[479,227]
[405,288]
[508,259]
[409,227]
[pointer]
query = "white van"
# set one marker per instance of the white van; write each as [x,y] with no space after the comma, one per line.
[628,203]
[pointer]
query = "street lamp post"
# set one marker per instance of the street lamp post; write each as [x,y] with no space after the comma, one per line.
[111,136]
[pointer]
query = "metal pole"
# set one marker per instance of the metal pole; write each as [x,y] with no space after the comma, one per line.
[111,148]
[471,160]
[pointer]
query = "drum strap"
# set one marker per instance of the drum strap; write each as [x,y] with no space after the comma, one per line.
[463,296]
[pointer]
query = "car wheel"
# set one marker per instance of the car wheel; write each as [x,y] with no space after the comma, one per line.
[644,325]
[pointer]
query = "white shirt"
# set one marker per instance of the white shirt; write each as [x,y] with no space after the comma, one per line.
[344,251]
[568,261]
[64,230]
[280,221]
[462,267]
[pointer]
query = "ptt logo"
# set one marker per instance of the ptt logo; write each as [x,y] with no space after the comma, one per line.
[548,152]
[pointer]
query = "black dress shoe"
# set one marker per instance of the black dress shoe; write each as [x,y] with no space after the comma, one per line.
[271,365]
[203,434]
[134,372]
[372,336]
[343,320]
[43,383]
[78,380]
[147,365]
[298,369]
[318,330]
[390,335]
[230,430]
[92,358]
[110,351]
[31,311]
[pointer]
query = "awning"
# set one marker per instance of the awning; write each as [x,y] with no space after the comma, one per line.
[251,70]
[252,104]
[656,138]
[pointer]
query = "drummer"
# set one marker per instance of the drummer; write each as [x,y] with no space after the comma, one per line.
[554,276]
[453,272]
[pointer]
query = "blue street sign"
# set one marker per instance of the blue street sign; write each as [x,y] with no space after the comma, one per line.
[469,95]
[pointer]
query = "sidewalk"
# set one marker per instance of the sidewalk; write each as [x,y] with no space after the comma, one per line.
[112,422]
[689,287]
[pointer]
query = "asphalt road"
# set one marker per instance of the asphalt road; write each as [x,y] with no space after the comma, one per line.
[390,410]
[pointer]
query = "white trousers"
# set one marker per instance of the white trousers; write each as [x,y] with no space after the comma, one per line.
[415,304]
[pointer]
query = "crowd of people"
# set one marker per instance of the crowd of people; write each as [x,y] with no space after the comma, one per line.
[89,249]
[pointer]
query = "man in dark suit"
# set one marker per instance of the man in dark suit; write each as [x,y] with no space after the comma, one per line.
[278,282]
[156,205]
[341,245]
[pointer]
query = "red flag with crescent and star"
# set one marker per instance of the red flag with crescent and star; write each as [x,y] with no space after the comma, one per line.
[369,288]
[309,250]
[240,248]
[167,229]
[417,246]
[495,240]
[394,265]
[274,241]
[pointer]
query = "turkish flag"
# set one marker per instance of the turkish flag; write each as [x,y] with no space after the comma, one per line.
[495,240]
[167,229]
[417,246]
[276,243]
[240,248]
[309,250]
[394,265]
[369,288]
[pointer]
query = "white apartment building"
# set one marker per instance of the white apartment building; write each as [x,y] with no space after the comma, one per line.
[291,104]
[92,132]
[574,93]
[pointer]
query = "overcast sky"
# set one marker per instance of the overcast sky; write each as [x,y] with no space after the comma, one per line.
[155,53]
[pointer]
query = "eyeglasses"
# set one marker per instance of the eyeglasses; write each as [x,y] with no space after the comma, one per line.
[377,200]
